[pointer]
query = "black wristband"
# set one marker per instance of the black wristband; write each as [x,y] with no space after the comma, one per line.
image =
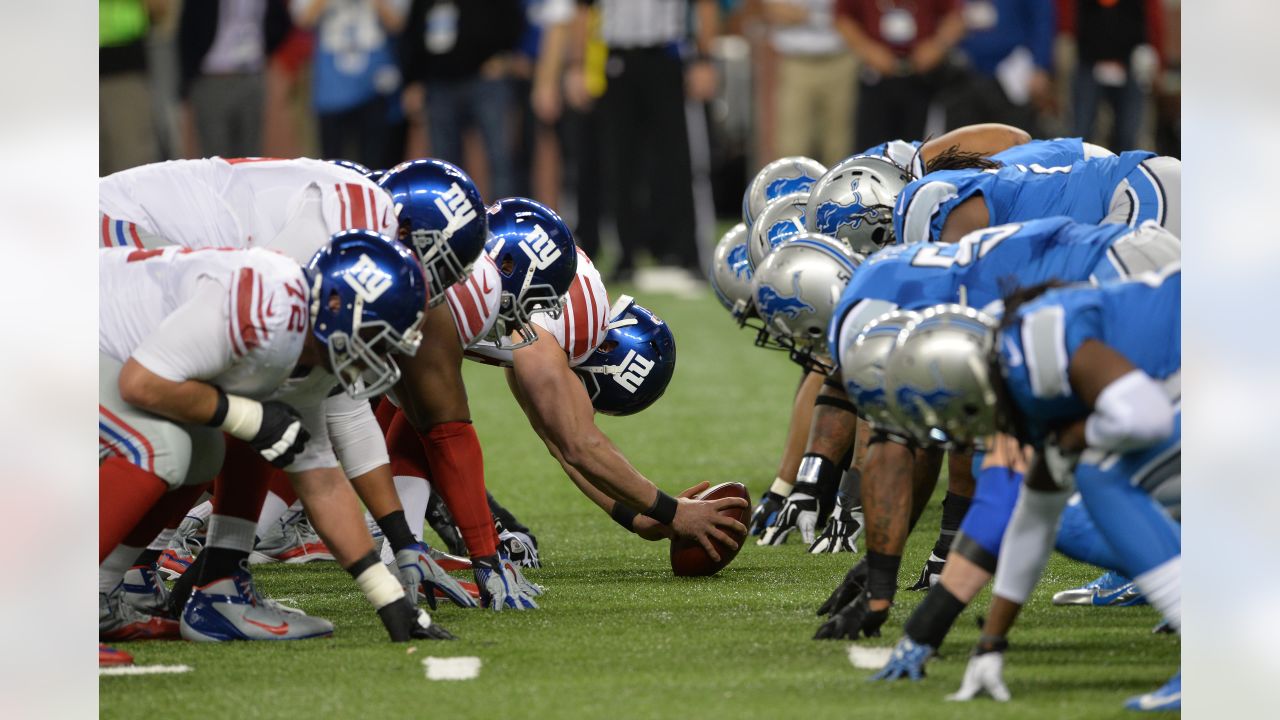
[395,528]
[663,509]
[369,560]
[833,381]
[623,515]
[882,575]
[991,643]
[219,412]
[818,470]
[933,617]
[835,402]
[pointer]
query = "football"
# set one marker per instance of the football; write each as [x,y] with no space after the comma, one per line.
[688,558]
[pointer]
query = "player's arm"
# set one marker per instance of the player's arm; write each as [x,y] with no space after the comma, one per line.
[797,437]
[559,401]
[970,215]
[1130,409]
[984,138]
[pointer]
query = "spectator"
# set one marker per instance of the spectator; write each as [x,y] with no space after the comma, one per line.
[126,132]
[1007,70]
[224,48]
[454,61]
[354,73]
[900,44]
[536,78]
[645,132]
[1115,40]
[815,80]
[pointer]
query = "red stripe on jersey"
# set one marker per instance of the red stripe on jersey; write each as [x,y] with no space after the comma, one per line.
[469,308]
[459,321]
[373,210]
[244,309]
[578,307]
[133,233]
[602,319]
[344,220]
[262,320]
[358,212]
[106,231]
[147,451]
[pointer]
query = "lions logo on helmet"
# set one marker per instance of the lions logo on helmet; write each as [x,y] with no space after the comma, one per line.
[782,218]
[780,177]
[633,365]
[796,291]
[939,375]
[770,302]
[862,365]
[854,202]
[731,271]
[368,299]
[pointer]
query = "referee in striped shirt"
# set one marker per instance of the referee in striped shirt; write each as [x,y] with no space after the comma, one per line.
[656,60]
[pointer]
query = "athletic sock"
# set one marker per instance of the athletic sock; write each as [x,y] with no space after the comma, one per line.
[162,540]
[396,529]
[230,541]
[113,567]
[954,508]
[273,508]
[457,473]
[414,494]
[126,493]
[933,617]
[1162,586]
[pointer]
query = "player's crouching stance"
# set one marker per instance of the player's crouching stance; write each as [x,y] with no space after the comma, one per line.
[196,343]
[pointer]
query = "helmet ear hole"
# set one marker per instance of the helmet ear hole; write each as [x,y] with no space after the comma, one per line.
[334,302]
[508,265]
[608,346]
[877,236]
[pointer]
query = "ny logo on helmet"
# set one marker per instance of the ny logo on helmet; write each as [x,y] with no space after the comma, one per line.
[786,186]
[832,215]
[367,279]
[772,303]
[455,209]
[635,368]
[538,246]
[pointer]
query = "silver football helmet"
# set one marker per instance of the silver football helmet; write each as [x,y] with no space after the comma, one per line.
[796,291]
[940,374]
[778,178]
[862,365]
[731,272]
[854,202]
[781,218]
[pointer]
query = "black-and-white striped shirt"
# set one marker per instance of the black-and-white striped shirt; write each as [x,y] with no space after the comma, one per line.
[642,23]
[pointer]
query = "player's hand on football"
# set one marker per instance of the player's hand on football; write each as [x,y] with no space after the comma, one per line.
[650,529]
[799,512]
[765,512]
[854,582]
[985,673]
[907,661]
[854,618]
[705,521]
[405,621]
[844,527]
[498,588]
[416,567]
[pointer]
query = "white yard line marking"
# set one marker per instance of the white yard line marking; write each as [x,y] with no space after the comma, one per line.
[452,668]
[144,670]
[869,658]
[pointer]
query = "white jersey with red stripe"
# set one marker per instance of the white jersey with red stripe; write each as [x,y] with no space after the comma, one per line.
[580,328]
[474,301]
[234,318]
[238,202]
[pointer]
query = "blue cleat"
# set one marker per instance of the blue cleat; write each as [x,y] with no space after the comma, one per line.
[1168,697]
[1109,590]
[232,609]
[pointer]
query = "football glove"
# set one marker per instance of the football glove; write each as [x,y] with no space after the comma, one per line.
[856,617]
[907,661]
[498,586]
[416,568]
[765,512]
[799,512]
[405,621]
[985,673]
[512,570]
[520,547]
[844,527]
[854,582]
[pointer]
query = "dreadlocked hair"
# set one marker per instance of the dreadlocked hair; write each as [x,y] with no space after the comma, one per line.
[953,158]
[1016,299]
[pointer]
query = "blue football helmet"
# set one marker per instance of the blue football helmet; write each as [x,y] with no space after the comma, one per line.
[731,271]
[537,261]
[442,219]
[352,165]
[376,176]
[368,299]
[633,366]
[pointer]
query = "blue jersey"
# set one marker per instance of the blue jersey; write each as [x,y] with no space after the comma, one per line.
[979,270]
[1141,320]
[1046,153]
[1082,191]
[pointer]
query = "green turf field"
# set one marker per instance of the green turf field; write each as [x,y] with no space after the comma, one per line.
[617,635]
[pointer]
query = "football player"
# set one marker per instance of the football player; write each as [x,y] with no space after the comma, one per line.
[193,344]
[1091,378]
[623,359]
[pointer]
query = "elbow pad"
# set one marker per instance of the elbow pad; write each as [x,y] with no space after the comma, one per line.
[1131,413]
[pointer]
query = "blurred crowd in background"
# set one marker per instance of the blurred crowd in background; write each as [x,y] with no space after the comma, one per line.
[639,120]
